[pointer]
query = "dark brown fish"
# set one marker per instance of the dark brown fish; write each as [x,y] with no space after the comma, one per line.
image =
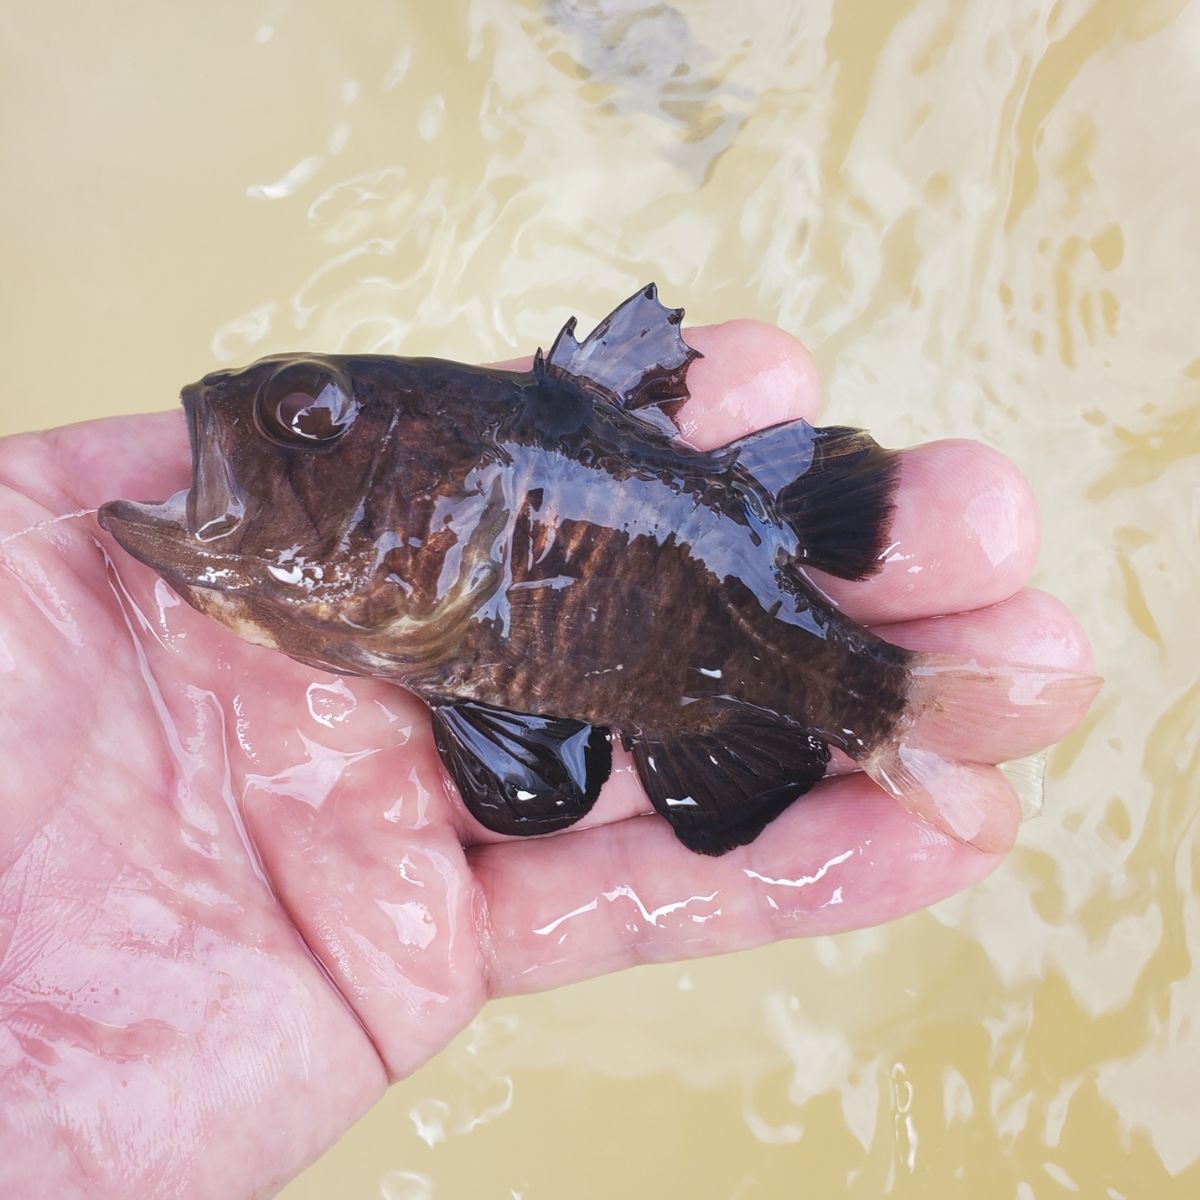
[542,559]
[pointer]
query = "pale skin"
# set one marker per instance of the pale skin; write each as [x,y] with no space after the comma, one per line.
[237,897]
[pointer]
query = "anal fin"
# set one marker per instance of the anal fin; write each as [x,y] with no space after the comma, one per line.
[720,789]
[518,773]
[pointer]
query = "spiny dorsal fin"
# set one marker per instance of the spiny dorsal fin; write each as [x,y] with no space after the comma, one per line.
[833,486]
[636,355]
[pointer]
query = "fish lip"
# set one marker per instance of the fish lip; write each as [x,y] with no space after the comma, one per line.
[143,528]
[157,534]
[176,536]
[215,505]
[116,515]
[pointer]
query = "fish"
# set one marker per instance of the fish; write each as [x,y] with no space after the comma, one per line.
[546,562]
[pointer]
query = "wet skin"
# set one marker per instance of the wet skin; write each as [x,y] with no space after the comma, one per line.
[164,1027]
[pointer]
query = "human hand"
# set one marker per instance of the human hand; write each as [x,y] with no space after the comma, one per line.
[237,896]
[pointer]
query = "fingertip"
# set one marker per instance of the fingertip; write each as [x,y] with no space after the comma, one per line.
[964,534]
[752,375]
[1032,627]
[1055,636]
[999,511]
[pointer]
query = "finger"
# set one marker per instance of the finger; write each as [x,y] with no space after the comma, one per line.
[1031,629]
[608,898]
[752,375]
[965,529]
[143,457]
[964,535]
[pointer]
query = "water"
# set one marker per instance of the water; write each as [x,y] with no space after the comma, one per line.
[982,220]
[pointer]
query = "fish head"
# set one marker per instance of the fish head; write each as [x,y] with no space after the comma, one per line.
[310,475]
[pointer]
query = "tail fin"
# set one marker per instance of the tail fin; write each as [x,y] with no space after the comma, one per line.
[1027,777]
[963,715]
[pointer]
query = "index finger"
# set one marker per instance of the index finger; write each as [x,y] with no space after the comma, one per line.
[964,531]
[964,534]
[752,375]
[843,857]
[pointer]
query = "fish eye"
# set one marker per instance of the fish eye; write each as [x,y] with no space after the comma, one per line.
[305,404]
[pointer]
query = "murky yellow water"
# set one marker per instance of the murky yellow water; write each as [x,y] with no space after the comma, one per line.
[983,219]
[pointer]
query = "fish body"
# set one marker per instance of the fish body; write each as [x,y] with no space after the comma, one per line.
[541,558]
[623,567]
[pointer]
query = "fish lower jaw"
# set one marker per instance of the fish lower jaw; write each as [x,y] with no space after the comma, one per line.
[232,612]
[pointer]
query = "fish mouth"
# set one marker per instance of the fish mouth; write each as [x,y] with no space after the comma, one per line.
[175,536]
[216,505]
[158,535]
[144,527]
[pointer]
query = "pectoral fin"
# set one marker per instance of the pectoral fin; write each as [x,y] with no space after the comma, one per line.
[521,774]
[718,790]
[833,486]
[635,355]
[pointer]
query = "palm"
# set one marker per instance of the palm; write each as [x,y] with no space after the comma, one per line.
[199,835]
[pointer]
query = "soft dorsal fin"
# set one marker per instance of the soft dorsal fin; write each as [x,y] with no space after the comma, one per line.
[776,456]
[635,355]
[518,773]
[834,487]
[718,790]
